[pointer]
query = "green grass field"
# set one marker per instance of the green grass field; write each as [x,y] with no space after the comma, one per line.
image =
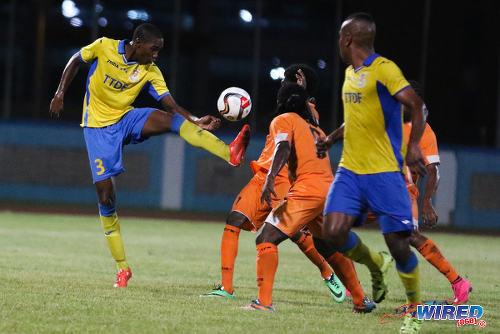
[56,276]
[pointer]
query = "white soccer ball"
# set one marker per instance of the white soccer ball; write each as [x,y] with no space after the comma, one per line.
[234,104]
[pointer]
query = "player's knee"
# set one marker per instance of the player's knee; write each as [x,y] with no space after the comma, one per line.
[399,246]
[271,235]
[323,247]
[333,230]
[296,236]
[236,219]
[417,240]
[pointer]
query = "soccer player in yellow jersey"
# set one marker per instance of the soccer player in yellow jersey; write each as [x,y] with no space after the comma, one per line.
[119,71]
[370,174]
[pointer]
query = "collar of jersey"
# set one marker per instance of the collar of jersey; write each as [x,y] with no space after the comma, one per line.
[368,61]
[121,50]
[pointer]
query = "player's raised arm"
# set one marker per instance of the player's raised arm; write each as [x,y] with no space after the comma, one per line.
[207,122]
[323,144]
[414,104]
[57,102]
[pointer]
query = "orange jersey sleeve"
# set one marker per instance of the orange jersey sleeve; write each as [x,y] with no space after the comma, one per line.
[314,111]
[301,135]
[266,158]
[428,145]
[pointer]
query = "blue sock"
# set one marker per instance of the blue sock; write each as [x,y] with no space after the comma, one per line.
[177,121]
[105,210]
[409,265]
[351,242]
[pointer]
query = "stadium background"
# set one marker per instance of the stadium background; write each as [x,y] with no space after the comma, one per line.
[454,50]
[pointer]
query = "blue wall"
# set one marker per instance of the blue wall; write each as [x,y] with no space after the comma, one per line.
[478,174]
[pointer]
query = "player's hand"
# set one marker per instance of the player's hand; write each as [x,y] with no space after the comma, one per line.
[56,105]
[415,160]
[208,122]
[301,79]
[429,214]
[267,190]
[323,144]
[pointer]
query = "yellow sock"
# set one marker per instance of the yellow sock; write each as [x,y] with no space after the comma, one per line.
[198,137]
[410,278]
[410,282]
[111,228]
[362,254]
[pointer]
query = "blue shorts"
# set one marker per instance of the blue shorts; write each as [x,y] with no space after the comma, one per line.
[384,194]
[105,145]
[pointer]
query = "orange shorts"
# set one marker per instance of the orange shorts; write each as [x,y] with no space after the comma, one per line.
[248,200]
[296,212]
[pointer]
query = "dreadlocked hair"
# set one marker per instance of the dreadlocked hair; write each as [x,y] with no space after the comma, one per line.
[293,98]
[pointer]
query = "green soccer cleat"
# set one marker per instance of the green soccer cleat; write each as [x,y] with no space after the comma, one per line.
[337,289]
[411,325]
[219,292]
[379,288]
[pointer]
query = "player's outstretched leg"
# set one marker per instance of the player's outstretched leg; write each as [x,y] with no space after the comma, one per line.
[111,227]
[160,122]
[378,264]
[430,251]
[228,253]
[304,241]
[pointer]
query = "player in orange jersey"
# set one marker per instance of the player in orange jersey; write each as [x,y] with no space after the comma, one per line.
[429,250]
[293,133]
[248,213]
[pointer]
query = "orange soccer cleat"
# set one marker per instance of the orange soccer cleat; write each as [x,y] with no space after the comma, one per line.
[239,145]
[122,278]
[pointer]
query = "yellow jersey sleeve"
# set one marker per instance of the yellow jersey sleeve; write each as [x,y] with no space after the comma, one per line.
[391,77]
[157,87]
[92,51]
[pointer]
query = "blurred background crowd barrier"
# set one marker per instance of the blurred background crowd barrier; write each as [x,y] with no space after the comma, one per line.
[47,163]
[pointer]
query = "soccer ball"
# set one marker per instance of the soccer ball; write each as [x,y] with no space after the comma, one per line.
[234,104]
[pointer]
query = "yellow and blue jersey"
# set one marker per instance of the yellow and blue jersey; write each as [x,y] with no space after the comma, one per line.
[113,82]
[373,133]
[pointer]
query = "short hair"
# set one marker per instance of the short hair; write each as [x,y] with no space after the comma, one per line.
[312,79]
[146,32]
[361,16]
[417,87]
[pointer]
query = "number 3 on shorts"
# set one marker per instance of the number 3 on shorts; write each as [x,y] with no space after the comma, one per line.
[100,167]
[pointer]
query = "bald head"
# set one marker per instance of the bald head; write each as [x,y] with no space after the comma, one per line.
[361,29]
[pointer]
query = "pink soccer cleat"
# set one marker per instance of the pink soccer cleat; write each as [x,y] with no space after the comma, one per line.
[461,289]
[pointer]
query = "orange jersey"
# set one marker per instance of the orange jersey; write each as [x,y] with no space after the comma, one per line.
[428,145]
[266,156]
[312,176]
